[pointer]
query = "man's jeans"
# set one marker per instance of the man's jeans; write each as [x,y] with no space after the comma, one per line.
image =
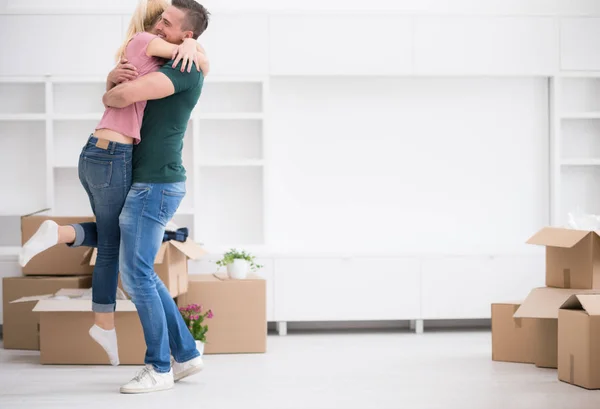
[105,174]
[147,209]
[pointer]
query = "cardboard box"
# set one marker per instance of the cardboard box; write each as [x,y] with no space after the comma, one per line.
[572,257]
[579,341]
[20,323]
[170,264]
[543,304]
[65,319]
[239,324]
[512,338]
[58,260]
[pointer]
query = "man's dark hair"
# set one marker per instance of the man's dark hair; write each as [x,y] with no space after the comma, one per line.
[196,16]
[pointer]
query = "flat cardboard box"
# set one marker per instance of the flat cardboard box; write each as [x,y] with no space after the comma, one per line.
[543,304]
[239,324]
[58,260]
[65,320]
[512,338]
[20,323]
[170,264]
[572,257]
[579,341]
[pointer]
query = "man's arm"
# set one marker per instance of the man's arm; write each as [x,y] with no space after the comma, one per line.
[155,85]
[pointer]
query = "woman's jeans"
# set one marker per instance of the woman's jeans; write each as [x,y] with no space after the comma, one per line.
[105,173]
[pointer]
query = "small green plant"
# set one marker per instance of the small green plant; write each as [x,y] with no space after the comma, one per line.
[194,318]
[234,254]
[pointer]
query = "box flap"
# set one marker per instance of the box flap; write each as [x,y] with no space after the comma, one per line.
[190,248]
[557,237]
[77,305]
[36,213]
[590,303]
[545,302]
[225,277]
[87,257]
[32,298]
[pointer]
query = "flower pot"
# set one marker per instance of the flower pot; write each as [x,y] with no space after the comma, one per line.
[200,347]
[238,269]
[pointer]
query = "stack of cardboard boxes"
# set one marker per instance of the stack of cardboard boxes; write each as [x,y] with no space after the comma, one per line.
[49,307]
[557,326]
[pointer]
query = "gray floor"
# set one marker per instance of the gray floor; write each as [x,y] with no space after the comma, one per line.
[444,369]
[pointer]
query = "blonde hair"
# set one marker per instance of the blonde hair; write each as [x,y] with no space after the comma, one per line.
[144,17]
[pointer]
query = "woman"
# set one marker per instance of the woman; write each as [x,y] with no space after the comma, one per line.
[105,169]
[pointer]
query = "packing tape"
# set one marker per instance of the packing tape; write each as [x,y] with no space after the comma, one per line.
[571,369]
[567,278]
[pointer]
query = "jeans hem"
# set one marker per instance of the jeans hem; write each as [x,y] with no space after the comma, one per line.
[196,354]
[103,307]
[79,235]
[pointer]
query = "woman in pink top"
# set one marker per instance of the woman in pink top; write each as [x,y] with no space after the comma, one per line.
[105,167]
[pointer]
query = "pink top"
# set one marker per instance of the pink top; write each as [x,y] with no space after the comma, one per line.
[128,121]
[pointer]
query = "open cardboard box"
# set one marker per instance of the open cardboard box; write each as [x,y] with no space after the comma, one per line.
[579,341]
[572,257]
[543,304]
[65,318]
[170,264]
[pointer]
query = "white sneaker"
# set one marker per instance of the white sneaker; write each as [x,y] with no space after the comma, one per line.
[185,369]
[148,380]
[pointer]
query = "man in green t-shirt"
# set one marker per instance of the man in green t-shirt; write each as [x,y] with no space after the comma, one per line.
[157,190]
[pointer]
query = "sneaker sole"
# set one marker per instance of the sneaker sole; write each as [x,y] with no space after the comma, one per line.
[188,372]
[149,390]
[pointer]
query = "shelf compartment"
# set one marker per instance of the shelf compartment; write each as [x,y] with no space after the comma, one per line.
[78,98]
[22,98]
[580,139]
[224,98]
[230,140]
[580,95]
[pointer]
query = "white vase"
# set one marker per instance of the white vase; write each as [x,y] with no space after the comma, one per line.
[238,269]
[200,347]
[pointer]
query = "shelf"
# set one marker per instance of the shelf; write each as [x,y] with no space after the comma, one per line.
[581,115]
[78,117]
[22,117]
[232,115]
[580,162]
[232,163]
[580,74]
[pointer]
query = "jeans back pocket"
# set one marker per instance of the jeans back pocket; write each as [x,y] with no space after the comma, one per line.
[97,173]
[169,204]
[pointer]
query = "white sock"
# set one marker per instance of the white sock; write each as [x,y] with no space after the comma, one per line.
[44,238]
[107,340]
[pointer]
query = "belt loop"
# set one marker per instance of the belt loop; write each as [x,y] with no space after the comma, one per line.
[113,146]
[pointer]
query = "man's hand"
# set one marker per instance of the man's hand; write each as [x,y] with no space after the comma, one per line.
[191,53]
[123,72]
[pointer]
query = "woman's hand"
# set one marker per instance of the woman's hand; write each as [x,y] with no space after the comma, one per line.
[188,53]
[124,71]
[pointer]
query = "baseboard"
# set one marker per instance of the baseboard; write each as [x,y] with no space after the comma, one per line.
[429,325]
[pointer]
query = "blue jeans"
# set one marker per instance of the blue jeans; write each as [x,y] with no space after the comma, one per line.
[105,173]
[147,209]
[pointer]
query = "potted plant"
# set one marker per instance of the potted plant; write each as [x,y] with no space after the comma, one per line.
[194,319]
[238,263]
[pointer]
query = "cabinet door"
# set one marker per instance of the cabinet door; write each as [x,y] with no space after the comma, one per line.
[57,50]
[338,44]
[486,45]
[334,289]
[465,287]
[237,44]
[579,44]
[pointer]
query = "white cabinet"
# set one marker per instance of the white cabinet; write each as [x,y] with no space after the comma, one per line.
[336,289]
[579,44]
[237,44]
[340,44]
[486,46]
[87,47]
[465,287]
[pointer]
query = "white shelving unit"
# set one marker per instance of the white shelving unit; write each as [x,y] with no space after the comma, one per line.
[223,154]
[575,130]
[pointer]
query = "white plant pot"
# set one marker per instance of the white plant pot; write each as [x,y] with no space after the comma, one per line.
[238,270]
[200,347]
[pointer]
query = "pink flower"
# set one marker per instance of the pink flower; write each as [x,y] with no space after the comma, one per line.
[209,314]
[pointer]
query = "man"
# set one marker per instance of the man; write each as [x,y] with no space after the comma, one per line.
[157,190]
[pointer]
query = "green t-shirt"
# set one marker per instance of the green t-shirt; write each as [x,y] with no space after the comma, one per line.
[157,158]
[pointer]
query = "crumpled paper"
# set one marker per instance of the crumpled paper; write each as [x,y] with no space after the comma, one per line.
[579,220]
